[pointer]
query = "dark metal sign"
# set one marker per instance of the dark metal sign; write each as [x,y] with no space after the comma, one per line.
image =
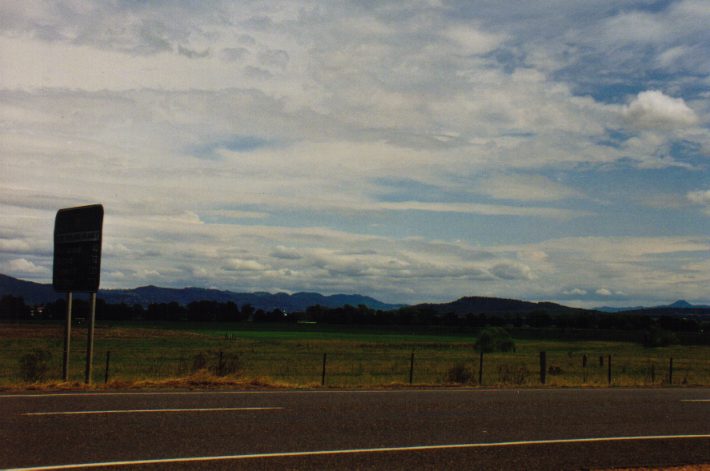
[77,248]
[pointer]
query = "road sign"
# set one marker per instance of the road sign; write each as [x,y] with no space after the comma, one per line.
[77,248]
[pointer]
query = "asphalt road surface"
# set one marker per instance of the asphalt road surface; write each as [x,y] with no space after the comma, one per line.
[400,429]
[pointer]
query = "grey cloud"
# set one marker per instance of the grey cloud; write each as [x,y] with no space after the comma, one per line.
[191,54]
[257,73]
[286,253]
[512,271]
[274,58]
[234,54]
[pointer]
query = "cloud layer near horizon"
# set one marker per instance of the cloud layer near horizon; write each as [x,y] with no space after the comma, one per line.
[413,153]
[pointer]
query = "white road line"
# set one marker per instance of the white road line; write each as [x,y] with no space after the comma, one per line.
[229,393]
[297,454]
[139,411]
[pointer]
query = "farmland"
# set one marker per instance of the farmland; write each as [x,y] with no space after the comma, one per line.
[298,355]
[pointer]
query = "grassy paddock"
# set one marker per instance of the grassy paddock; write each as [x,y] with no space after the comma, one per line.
[356,356]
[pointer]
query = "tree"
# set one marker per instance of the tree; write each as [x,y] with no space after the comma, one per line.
[494,339]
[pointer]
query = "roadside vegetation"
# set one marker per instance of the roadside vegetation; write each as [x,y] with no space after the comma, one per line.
[248,354]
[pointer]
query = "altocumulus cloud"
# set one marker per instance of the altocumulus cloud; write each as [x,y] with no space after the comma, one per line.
[414,152]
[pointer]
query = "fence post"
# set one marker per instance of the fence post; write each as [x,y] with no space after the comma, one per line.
[480,369]
[411,368]
[108,360]
[670,371]
[653,373]
[584,368]
[543,366]
[608,374]
[220,365]
[322,379]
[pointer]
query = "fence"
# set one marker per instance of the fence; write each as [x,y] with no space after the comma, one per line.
[369,367]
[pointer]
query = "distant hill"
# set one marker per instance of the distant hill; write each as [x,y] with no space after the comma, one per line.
[37,293]
[495,306]
[680,304]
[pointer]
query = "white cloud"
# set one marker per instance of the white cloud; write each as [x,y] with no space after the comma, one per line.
[575,292]
[253,146]
[653,109]
[525,188]
[604,292]
[700,197]
[22,266]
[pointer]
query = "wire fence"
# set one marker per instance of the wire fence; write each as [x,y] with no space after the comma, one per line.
[366,367]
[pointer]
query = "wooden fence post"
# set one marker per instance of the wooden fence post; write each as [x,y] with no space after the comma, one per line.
[108,360]
[543,367]
[322,379]
[411,368]
[608,374]
[480,369]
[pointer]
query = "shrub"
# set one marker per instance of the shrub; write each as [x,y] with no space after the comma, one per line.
[459,373]
[657,337]
[34,366]
[494,339]
[220,364]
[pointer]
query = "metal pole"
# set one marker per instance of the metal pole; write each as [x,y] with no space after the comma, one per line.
[90,339]
[67,340]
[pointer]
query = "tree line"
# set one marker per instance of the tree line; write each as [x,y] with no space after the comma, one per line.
[14,308]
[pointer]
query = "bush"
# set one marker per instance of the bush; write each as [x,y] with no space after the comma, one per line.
[459,374]
[219,364]
[657,337]
[34,366]
[494,339]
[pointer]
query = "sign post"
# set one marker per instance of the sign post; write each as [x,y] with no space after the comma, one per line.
[77,267]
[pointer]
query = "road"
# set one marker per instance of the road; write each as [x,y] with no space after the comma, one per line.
[388,429]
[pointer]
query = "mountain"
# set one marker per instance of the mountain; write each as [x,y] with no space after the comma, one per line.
[32,293]
[680,304]
[495,306]
[37,293]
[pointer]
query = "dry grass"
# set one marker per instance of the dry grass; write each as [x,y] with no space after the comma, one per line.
[145,356]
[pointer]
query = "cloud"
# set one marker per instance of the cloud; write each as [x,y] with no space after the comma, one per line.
[254,146]
[190,54]
[22,266]
[702,198]
[575,292]
[654,110]
[525,188]
[699,197]
[286,253]
[512,271]
[604,292]
[236,264]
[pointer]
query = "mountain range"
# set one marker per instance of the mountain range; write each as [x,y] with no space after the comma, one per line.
[38,293]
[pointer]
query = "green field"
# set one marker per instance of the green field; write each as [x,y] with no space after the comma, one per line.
[292,355]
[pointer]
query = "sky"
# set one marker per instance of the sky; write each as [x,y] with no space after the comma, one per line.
[413,151]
